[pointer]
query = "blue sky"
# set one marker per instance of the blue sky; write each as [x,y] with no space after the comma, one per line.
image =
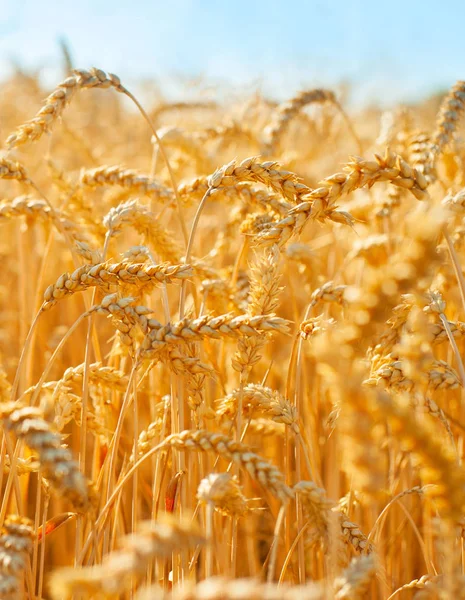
[389,50]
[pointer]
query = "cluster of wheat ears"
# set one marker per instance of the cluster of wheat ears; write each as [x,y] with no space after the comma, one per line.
[230,368]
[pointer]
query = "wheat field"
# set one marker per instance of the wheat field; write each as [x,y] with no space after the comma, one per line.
[230,345]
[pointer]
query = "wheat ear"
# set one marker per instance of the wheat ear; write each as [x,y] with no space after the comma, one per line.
[16,542]
[57,101]
[28,424]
